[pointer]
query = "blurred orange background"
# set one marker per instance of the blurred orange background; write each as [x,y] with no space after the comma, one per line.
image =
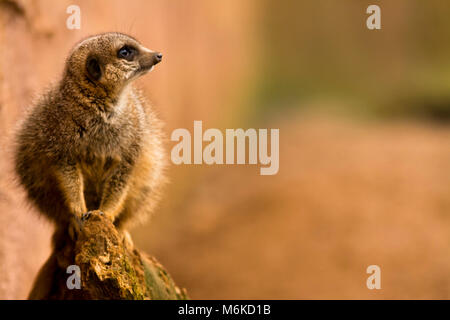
[364,142]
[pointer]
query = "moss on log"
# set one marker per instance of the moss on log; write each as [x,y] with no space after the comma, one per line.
[110,269]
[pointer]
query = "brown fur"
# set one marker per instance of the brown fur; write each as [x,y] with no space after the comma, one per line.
[92,142]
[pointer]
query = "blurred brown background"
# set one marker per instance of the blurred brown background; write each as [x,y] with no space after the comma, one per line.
[364,142]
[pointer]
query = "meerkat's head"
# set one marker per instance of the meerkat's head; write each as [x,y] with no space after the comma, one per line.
[110,61]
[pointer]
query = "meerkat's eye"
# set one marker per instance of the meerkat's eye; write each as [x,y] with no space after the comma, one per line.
[127,53]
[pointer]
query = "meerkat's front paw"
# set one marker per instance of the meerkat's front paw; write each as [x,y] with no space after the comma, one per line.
[76,223]
[88,214]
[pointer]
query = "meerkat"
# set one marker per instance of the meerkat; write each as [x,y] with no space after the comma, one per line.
[91,142]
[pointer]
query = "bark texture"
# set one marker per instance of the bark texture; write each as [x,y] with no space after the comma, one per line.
[110,268]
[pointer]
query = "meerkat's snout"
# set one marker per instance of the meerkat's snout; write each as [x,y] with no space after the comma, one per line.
[148,60]
[157,57]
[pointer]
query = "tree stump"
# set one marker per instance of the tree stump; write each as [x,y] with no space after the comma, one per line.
[110,268]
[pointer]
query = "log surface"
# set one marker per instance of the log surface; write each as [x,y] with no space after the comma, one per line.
[110,269]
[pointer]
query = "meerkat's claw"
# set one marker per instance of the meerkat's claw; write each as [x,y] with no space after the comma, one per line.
[86,216]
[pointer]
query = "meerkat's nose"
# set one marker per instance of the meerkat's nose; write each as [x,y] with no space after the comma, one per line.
[158,57]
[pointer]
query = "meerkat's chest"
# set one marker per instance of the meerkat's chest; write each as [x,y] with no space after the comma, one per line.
[101,150]
[106,142]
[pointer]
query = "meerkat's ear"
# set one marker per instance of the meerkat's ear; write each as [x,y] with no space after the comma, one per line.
[93,68]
